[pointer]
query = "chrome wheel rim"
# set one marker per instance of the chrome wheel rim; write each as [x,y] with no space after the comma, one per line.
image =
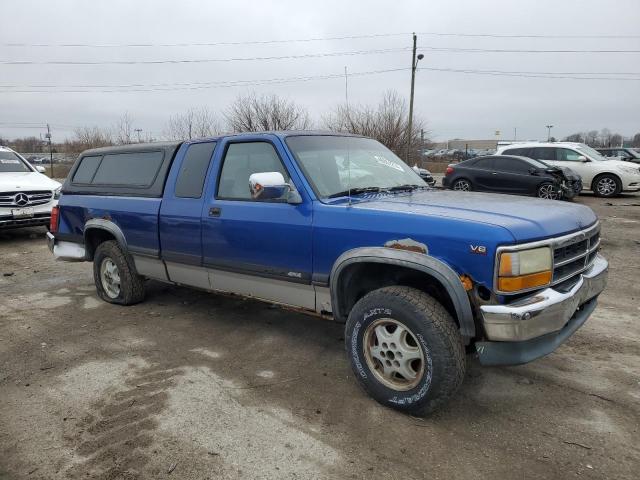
[110,278]
[548,192]
[393,354]
[462,185]
[606,186]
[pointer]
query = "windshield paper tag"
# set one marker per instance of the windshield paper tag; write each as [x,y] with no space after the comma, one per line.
[10,161]
[388,163]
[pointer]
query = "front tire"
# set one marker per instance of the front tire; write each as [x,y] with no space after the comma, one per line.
[405,349]
[607,185]
[548,191]
[115,276]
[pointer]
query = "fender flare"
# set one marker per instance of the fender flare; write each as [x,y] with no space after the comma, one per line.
[107,225]
[437,269]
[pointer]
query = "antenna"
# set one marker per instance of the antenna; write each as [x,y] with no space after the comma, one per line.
[346,99]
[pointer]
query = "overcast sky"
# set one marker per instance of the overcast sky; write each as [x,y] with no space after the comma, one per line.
[455,105]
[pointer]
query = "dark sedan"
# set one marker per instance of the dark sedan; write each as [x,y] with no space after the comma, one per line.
[512,174]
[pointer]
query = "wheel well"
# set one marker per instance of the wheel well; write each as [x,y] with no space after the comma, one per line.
[358,279]
[94,237]
[600,175]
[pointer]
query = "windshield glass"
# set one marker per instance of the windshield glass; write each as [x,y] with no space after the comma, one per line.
[10,162]
[336,164]
[591,153]
[537,163]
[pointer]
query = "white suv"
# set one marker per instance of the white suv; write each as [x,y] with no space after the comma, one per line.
[605,177]
[26,195]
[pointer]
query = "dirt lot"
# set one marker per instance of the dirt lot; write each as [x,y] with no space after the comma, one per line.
[193,385]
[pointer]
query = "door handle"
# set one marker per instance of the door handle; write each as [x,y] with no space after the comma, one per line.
[215,211]
[494,173]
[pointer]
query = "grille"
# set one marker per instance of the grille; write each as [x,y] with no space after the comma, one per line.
[36,197]
[575,254]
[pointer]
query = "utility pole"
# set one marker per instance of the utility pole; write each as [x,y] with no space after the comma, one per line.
[138,131]
[48,136]
[549,127]
[515,133]
[414,64]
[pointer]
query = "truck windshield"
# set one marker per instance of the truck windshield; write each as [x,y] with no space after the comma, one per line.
[336,165]
[10,162]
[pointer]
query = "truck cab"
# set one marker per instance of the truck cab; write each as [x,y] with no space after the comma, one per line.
[338,226]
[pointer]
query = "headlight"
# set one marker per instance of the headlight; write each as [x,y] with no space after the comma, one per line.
[524,269]
[632,170]
[56,193]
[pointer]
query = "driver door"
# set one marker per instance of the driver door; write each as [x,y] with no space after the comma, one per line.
[254,247]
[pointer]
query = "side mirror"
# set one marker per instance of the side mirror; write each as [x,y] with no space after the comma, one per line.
[583,159]
[40,169]
[271,186]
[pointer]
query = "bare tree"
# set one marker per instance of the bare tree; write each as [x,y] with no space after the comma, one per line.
[387,123]
[124,129]
[194,123]
[250,113]
[636,141]
[575,137]
[89,137]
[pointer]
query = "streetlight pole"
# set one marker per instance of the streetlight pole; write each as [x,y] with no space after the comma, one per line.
[48,137]
[414,64]
[549,127]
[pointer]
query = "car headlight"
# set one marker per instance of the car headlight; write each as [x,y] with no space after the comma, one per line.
[632,170]
[524,269]
[56,193]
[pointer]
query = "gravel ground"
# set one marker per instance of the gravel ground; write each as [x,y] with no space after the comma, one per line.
[193,385]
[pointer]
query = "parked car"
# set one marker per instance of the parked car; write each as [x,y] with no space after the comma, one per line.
[417,274]
[626,154]
[26,195]
[512,174]
[606,178]
[425,175]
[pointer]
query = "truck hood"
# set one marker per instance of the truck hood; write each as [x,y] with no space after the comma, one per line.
[527,219]
[12,181]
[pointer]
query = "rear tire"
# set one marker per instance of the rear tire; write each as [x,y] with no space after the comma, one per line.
[462,184]
[405,349]
[606,185]
[115,275]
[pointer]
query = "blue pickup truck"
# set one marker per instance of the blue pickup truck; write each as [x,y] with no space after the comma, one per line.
[339,226]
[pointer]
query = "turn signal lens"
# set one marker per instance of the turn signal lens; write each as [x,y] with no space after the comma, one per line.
[524,269]
[55,217]
[524,282]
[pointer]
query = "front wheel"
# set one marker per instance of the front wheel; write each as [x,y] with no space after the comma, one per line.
[548,191]
[405,349]
[606,185]
[115,276]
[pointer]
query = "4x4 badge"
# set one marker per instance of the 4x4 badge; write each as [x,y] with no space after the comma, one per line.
[478,249]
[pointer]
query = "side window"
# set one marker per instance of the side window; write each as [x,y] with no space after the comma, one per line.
[240,161]
[511,165]
[514,151]
[484,164]
[544,153]
[567,155]
[86,170]
[193,170]
[128,169]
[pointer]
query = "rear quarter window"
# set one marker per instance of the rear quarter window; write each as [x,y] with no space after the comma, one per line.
[193,170]
[86,170]
[138,169]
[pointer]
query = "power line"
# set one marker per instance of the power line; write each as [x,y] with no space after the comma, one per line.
[314,39]
[139,87]
[506,50]
[206,60]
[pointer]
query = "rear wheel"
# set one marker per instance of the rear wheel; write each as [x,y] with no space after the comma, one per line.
[115,276]
[405,349]
[549,191]
[462,184]
[606,185]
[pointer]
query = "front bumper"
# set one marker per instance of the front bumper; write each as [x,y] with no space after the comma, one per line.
[536,325]
[35,221]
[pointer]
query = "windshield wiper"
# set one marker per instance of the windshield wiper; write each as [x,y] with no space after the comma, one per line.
[398,188]
[355,191]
